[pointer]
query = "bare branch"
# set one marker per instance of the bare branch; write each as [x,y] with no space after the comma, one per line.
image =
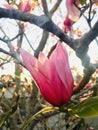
[55,6]
[9,40]
[4,61]
[42,43]
[4,51]
[42,21]
[87,75]
[46,34]
[45,7]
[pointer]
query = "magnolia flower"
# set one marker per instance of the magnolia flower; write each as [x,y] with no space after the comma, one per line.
[25,5]
[73,12]
[53,76]
[67,25]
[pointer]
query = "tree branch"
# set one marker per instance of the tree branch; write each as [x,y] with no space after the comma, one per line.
[47,24]
[45,7]
[42,43]
[55,6]
[45,34]
[87,75]
[88,37]
[42,21]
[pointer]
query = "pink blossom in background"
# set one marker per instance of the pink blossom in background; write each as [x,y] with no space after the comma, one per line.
[72,10]
[88,85]
[79,33]
[2,67]
[14,47]
[26,5]
[53,76]
[21,68]
[8,6]
[67,25]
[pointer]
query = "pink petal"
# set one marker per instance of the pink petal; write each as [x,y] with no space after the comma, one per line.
[55,81]
[62,68]
[26,6]
[31,62]
[73,12]
[63,94]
